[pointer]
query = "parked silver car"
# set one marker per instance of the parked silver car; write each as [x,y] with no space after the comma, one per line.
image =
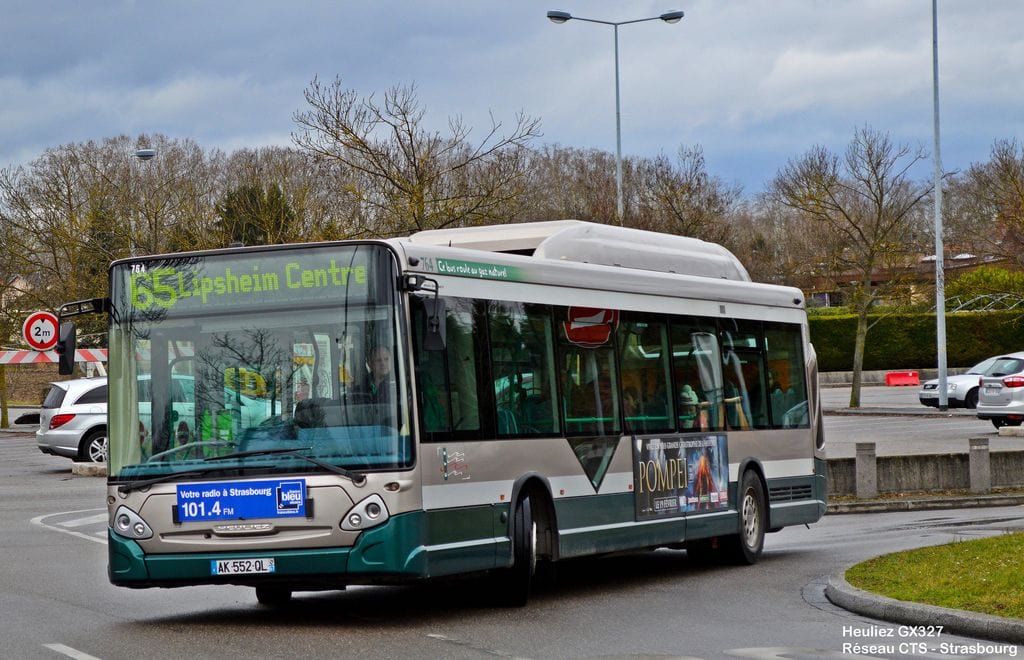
[73,417]
[961,389]
[73,420]
[1001,391]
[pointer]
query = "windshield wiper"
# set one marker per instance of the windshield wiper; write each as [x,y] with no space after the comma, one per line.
[355,477]
[146,483]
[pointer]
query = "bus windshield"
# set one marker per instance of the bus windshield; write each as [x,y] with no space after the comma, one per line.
[257,362]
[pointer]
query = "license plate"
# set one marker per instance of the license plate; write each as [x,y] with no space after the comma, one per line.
[241,566]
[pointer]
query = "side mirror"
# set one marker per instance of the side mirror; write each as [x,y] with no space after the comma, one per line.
[67,338]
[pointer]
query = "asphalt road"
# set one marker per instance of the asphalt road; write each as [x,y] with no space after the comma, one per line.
[897,423]
[55,600]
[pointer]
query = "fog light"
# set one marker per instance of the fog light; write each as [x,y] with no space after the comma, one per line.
[130,525]
[368,513]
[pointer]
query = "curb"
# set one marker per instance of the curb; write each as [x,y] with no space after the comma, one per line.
[924,504]
[89,469]
[958,622]
[895,412]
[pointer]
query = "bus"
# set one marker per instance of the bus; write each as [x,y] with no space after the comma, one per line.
[464,401]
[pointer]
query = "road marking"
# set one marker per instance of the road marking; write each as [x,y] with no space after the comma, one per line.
[89,520]
[70,652]
[62,527]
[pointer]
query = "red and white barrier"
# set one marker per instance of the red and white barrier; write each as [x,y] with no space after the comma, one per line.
[43,357]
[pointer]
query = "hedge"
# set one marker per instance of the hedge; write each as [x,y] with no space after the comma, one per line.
[907,341]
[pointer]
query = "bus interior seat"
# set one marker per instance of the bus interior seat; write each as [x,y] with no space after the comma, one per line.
[508,423]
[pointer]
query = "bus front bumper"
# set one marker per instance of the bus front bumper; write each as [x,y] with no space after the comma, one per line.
[391,552]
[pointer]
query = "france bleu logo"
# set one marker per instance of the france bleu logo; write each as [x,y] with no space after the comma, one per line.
[291,497]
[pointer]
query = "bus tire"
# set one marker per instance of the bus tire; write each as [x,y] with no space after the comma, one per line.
[516,581]
[273,596]
[745,547]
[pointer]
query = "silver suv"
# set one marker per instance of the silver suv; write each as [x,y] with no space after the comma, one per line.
[1001,391]
[73,420]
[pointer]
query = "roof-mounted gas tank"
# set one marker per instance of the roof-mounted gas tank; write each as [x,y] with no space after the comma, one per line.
[587,242]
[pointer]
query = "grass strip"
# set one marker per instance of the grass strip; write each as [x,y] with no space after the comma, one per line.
[983,575]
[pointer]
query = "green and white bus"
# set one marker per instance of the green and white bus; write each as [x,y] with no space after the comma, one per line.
[458,401]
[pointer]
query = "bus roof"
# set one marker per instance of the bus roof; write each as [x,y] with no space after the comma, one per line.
[571,253]
[587,242]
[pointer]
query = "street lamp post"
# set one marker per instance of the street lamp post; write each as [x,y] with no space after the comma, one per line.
[560,17]
[143,155]
[940,266]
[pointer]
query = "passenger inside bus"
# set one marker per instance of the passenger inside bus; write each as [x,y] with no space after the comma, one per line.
[688,408]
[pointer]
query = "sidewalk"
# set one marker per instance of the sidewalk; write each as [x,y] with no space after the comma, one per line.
[958,622]
[879,400]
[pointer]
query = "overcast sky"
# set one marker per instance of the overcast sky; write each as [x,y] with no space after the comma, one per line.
[755,83]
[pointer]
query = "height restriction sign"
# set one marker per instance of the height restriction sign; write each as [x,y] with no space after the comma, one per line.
[40,330]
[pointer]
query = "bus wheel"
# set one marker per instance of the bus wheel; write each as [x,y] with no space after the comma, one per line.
[273,596]
[746,546]
[516,581]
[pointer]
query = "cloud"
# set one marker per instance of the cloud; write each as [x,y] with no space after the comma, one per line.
[754,82]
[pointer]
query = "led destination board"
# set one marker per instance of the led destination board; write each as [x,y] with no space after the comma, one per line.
[247,279]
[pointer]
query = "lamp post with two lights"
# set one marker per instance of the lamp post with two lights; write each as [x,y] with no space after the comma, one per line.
[668,17]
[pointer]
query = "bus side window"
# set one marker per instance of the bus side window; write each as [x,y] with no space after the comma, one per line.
[447,379]
[697,375]
[788,384]
[523,367]
[643,357]
[590,390]
[746,395]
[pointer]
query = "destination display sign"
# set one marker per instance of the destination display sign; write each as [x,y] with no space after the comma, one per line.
[190,284]
[241,500]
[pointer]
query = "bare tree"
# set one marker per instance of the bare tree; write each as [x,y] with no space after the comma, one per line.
[405,177]
[763,241]
[174,195]
[77,207]
[572,183]
[682,198]
[991,203]
[867,200]
[673,196]
[59,226]
[309,188]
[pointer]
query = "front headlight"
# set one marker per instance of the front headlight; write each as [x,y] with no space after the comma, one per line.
[130,525]
[369,513]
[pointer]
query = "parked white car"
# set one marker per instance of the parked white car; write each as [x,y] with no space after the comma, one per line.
[961,389]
